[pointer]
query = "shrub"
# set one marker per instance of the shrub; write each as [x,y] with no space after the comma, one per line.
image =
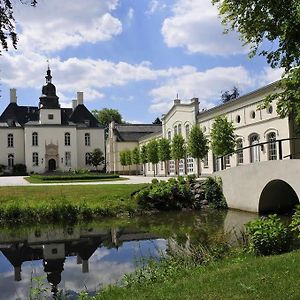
[267,236]
[165,195]
[214,194]
[295,224]
[19,169]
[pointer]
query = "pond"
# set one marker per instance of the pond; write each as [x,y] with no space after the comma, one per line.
[87,256]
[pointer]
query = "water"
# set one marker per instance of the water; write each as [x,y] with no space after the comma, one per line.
[85,257]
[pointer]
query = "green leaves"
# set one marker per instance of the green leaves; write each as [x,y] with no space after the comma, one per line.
[178,147]
[197,143]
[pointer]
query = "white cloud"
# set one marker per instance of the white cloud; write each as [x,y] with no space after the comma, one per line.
[54,25]
[207,86]
[155,6]
[130,14]
[269,75]
[195,26]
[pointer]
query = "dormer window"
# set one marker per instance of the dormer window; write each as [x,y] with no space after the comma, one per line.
[87,123]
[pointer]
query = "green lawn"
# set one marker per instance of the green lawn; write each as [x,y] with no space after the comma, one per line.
[41,181]
[246,277]
[65,203]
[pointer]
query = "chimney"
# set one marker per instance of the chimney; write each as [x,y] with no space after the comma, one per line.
[18,273]
[79,98]
[74,104]
[85,266]
[195,101]
[13,96]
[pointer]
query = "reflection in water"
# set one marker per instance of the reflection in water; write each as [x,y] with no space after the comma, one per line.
[103,253]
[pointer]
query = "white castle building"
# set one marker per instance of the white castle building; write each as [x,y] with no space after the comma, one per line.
[252,126]
[47,137]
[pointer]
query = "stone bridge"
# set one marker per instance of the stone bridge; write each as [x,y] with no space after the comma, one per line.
[270,186]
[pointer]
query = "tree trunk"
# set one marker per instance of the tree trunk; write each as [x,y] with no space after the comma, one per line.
[198,167]
[166,171]
[144,167]
[153,166]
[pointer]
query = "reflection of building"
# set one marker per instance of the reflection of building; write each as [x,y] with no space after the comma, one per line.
[48,137]
[253,125]
[54,246]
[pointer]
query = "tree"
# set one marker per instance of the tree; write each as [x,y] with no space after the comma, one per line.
[222,137]
[144,157]
[106,115]
[123,159]
[128,159]
[164,152]
[178,150]
[97,158]
[230,95]
[136,157]
[8,24]
[197,145]
[261,22]
[157,121]
[152,154]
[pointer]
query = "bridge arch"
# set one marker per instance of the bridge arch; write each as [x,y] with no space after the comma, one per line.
[277,196]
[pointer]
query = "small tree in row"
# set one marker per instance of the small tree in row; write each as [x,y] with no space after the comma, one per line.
[164,152]
[152,154]
[178,150]
[136,158]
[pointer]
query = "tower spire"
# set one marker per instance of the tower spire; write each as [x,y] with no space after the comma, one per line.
[48,77]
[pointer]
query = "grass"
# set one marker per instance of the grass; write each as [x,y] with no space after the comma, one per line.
[242,277]
[32,204]
[41,181]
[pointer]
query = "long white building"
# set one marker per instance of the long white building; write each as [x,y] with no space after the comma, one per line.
[252,126]
[47,137]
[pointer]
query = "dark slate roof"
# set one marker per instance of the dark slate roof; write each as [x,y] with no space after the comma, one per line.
[16,116]
[81,114]
[133,132]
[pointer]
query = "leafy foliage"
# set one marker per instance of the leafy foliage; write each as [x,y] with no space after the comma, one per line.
[222,136]
[135,156]
[144,156]
[157,121]
[19,169]
[123,158]
[164,151]
[128,157]
[295,224]
[152,152]
[7,23]
[97,158]
[214,194]
[178,147]
[106,115]
[230,95]
[267,236]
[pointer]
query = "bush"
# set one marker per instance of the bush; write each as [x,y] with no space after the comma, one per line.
[19,169]
[267,236]
[295,224]
[70,176]
[165,195]
[214,194]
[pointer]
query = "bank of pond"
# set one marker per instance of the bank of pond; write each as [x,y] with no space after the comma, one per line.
[167,255]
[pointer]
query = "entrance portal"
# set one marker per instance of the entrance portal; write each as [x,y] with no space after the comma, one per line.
[51,165]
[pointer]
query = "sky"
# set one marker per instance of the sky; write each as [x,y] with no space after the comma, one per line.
[131,55]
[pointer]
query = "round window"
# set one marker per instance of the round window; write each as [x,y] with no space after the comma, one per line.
[270,109]
[238,119]
[252,114]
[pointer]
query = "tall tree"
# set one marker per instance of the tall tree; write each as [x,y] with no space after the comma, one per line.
[136,157]
[164,152]
[222,137]
[178,150]
[276,22]
[106,115]
[152,154]
[97,158]
[8,23]
[230,95]
[157,121]
[144,157]
[197,145]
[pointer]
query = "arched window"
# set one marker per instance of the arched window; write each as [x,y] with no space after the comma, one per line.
[87,139]
[175,130]
[239,153]
[35,159]
[10,140]
[35,140]
[179,129]
[169,135]
[67,139]
[10,161]
[87,158]
[272,149]
[187,130]
[255,150]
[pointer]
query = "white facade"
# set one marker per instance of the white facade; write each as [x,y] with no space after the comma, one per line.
[252,125]
[48,138]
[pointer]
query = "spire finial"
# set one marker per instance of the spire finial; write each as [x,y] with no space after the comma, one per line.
[177,96]
[48,77]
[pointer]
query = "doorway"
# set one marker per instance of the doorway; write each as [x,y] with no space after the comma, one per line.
[51,165]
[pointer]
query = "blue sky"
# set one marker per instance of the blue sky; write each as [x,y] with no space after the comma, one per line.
[132,55]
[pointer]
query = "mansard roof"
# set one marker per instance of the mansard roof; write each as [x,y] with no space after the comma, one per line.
[81,115]
[133,132]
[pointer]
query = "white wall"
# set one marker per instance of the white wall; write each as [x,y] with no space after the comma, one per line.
[44,116]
